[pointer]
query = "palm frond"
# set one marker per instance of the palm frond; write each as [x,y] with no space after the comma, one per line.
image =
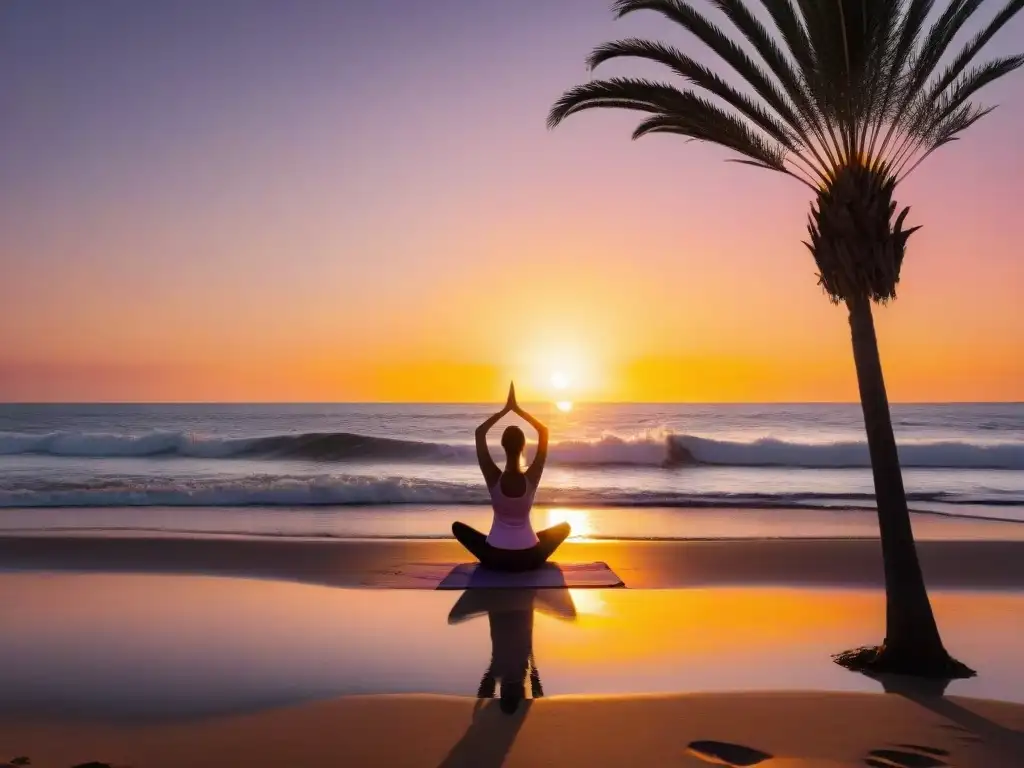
[882,27]
[910,25]
[938,40]
[969,84]
[828,85]
[926,124]
[791,79]
[620,92]
[705,122]
[712,36]
[958,122]
[852,42]
[919,68]
[964,58]
[673,111]
[822,21]
[767,48]
[699,75]
[944,133]
[793,34]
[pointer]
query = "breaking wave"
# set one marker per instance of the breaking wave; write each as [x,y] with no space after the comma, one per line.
[651,449]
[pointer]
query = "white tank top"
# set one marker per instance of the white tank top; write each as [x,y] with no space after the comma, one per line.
[511,527]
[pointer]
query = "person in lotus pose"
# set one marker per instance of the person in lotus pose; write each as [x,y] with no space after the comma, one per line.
[511,544]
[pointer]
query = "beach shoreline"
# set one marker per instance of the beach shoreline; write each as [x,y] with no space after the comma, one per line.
[949,564]
[433,522]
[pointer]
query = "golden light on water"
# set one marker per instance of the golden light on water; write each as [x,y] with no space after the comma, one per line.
[560,380]
[578,520]
[589,602]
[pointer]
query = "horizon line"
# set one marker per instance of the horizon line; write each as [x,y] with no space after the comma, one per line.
[493,402]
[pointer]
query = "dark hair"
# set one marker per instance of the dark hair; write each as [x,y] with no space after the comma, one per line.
[513,440]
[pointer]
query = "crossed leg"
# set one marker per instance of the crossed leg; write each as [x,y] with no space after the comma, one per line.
[511,559]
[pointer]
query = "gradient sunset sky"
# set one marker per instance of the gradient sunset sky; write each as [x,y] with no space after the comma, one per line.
[339,201]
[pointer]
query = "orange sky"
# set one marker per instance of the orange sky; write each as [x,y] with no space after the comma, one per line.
[235,229]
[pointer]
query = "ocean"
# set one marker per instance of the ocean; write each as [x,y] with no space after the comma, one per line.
[394,470]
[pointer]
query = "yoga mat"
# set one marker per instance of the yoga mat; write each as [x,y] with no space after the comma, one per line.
[550,576]
[472,576]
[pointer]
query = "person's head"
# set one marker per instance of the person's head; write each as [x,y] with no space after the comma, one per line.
[513,441]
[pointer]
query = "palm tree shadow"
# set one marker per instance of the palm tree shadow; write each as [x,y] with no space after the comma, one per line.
[930,694]
[509,612]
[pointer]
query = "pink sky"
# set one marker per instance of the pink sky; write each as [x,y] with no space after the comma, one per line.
[313,204]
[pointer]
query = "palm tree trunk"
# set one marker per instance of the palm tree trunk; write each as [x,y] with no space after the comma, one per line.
[912,643]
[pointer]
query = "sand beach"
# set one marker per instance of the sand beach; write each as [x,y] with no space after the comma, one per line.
[162,651]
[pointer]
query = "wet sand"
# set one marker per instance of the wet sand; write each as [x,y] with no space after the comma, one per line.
[96,639]
[820,730]
[640,564]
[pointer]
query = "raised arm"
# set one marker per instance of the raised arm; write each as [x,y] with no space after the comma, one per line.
[537,465]
[489,469]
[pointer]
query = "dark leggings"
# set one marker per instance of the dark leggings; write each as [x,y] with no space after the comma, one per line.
[511,559]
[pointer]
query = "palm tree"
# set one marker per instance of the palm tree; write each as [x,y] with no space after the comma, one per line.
[846,97]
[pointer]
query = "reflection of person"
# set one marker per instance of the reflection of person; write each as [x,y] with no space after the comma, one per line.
[510,614]
[511,544]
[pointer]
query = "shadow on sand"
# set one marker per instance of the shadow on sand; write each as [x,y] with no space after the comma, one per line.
[724,753]
[907,756]
[900,756]
[970,726]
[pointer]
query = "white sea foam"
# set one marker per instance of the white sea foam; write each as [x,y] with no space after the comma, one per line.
[650,449]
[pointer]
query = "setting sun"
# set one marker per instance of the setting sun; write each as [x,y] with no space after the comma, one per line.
[560,380]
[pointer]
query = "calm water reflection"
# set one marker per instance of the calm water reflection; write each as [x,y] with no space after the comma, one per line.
[510,617]
[170,647]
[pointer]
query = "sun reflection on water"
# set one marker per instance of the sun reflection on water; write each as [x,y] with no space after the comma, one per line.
[589,602]
[578,519]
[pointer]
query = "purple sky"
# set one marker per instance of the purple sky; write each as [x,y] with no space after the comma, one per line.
[291,200]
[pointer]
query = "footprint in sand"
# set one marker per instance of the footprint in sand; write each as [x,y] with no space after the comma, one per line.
[962,734]
[738,756]
[724,753]
[907,756]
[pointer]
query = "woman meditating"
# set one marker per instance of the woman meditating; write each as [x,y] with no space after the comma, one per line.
[512,544]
